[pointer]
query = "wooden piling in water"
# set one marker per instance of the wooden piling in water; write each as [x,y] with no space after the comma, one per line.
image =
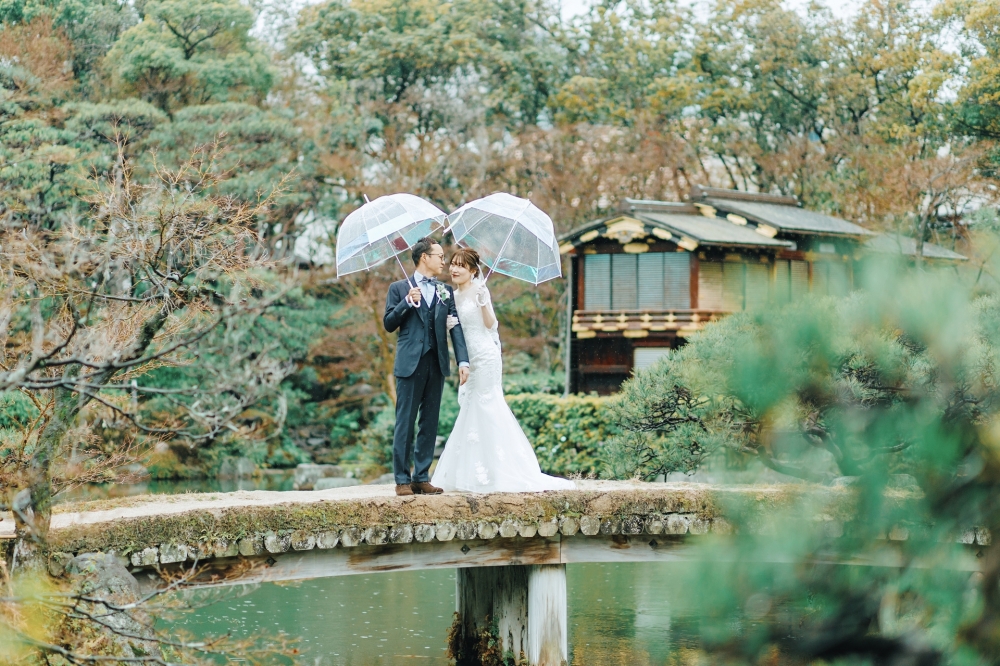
[517,611]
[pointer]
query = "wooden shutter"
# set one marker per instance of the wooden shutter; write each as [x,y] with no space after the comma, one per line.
[840,278]
[624,282]
[676,281]
[710,285]
[651,281]
[758,285]
[597,281]
[782,281]
[798,273]
[733,282]
[821,278]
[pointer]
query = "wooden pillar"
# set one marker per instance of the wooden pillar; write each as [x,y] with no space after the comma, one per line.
[491,601]
[512,611]
[547,632]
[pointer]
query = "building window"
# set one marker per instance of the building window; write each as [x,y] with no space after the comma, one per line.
[645,357]
[597,282]
[722,285]
[831,278]
[649,281]
[791,280]
[732,286]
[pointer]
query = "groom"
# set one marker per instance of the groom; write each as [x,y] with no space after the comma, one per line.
[420,315]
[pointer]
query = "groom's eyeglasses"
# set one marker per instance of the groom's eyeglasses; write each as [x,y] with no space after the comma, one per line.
[435,254]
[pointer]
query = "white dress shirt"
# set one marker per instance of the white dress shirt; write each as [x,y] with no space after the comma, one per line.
[426,289]
[429,293]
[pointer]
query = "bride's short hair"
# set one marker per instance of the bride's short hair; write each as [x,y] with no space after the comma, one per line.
[469,258]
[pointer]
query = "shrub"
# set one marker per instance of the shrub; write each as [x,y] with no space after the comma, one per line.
[568,433]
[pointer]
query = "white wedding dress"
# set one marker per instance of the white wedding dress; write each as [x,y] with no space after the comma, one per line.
[487,452]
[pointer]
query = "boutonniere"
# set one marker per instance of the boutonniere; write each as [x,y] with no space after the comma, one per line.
[442,292]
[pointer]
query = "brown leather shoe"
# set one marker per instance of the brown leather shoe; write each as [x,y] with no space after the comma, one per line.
[424,488]
[404,489]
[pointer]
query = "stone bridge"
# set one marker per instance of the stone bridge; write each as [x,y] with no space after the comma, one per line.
[510,549]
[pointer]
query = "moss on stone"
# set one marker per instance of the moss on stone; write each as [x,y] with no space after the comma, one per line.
[127,534]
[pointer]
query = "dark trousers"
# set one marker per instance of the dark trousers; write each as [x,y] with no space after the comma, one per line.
[421,392]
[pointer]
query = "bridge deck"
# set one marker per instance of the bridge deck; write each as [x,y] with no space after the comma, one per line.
[367,528]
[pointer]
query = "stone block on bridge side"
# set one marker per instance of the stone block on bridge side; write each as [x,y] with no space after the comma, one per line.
[350,537]
[445,531]
[328,539]
[467,530]
[171,553]
[201,551]
[487,529]
[225,548]
[654,525]
[547,528]
[251,545]
[401,533]
[611,526]
[699,526]
[590,525]
[509,528]
[376,535]
[528,529]
[632,525]
[277,542]
[676,523]
[303,540]
[423,533]
[568,526]
[146,557]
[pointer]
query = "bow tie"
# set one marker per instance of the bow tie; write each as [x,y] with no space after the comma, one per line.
[425,279]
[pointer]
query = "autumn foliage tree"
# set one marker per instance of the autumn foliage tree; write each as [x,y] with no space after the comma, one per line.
[156,273]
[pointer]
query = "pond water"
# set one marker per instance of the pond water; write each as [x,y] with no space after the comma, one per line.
[619,614]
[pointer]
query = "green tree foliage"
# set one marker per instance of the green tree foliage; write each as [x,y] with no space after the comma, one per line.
[721,392]
[902,379]
[186,53]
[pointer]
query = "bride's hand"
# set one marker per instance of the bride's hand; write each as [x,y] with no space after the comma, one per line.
[482,295]
[451,322]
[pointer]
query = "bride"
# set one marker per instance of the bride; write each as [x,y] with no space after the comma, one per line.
[487,451]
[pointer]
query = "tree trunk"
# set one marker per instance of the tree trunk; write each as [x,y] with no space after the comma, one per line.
[33,504]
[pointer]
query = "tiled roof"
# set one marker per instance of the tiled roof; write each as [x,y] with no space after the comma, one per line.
[681,221]
[709,230]
[787,218]
[898,244]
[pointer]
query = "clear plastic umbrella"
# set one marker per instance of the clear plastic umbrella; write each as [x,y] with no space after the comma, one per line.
[383,229]
[511,235]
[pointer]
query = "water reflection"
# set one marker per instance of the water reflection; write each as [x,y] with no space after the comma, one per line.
[627,614]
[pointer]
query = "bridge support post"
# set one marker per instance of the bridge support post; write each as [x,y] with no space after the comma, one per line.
[516,611]
[492,603]
[547,631]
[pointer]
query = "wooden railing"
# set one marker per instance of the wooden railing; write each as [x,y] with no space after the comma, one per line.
[639,323]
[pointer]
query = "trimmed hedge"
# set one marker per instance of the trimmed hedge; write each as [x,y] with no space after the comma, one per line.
[568,433]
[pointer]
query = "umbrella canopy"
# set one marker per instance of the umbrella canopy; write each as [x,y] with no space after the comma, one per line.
[383,229]
[511,235]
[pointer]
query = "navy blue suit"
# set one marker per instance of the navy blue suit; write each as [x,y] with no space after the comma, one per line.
[422,363]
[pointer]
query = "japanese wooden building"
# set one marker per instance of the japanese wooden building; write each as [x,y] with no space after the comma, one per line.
[645,278]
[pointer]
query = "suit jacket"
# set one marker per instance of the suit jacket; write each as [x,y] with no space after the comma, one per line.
[412,323]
